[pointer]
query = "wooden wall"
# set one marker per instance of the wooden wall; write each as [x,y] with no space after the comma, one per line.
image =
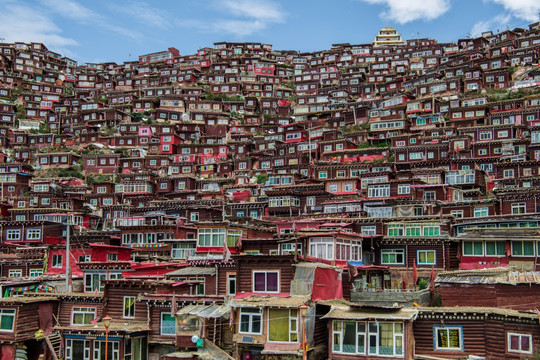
[246,264]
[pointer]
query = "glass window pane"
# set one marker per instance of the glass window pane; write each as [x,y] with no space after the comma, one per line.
[260,282]
[528,248]
[272,279]
[478,248]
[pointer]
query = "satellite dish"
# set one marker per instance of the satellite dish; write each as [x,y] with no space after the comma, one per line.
[185,117]
[194,339]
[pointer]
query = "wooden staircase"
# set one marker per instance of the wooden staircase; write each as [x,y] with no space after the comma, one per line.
[54,341]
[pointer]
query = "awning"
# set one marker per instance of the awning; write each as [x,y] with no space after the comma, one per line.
[205,311]
[350,313]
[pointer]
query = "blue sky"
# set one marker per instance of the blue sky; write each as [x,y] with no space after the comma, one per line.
[121,30]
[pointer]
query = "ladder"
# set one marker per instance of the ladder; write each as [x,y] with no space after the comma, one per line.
[54,341]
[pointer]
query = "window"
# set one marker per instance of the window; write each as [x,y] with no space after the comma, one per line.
[431,230]
[113,349]
[519,208]
[404,189]
[194,216]
[182,250]
[211,237]
[7,319]
[129,307]
[508,173]
[94,282]
[33,234]
[379,191]
[266,281]
[481,212]
[15,273]
[168,324]
[520,343]
[231,284]
[349,337]
[495,248]
[522,248]
[413,230]
[448,338]
[82,315]
[189,325]
[395,230]
[56,261]
[250,321]
[426,257]
[369,230]
[473,248]
[430,195]
[283,325]
[13,234]
[77,349]
[392,257]
[385,338]
[322,248]
[290,248]
[36,272]
[112,257]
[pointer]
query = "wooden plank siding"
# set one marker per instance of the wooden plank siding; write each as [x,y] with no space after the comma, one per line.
[249,263]
[485,332]
[66,306]
[114,300]
[515,297]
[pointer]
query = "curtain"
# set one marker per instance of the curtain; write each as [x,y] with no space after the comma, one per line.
[272,281]
[278,329]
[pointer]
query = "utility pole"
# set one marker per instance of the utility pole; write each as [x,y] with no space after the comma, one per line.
[68,269]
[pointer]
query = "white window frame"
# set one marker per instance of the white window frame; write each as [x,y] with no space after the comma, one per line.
[394,252]
[266,272]
[57,261]
[9,313]
[126,313]
[520,351]
[13,234]
[85,311]
[161,332]
[519,208]
[426,251]
[33,234]
[436,330]
[479,211]
[251,314]
[404,189]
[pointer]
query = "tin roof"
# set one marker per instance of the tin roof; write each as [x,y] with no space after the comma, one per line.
[370,313]
[253,300]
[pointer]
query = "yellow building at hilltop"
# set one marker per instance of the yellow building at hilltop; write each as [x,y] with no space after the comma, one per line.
[387,36]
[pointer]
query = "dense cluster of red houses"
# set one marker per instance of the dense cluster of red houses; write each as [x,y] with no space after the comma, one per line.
[368,201]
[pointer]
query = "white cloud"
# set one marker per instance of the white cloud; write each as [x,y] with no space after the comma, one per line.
[241,17]
[498,22]
[404,11]
[523,9]
[264,11]
[25,24]
[74,11]
[239,28]
[70,9]
[143,13]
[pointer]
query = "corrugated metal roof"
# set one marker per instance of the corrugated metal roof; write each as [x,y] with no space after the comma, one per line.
[367,314]
[270,301]
[193,270]
[205,311]
[502,275]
